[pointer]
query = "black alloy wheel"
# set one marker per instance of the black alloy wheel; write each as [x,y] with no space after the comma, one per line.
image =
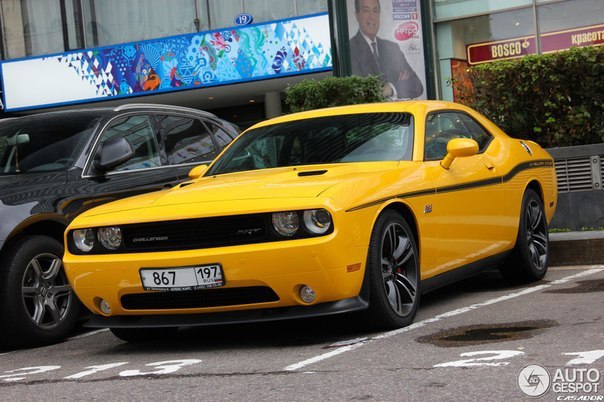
[530,258]
[393,269]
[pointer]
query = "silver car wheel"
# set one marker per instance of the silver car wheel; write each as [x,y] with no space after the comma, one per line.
[47,294]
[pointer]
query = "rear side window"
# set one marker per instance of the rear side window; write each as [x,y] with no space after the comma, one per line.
[43,143]
[186,140]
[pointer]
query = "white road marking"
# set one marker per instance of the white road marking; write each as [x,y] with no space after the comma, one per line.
[593,270]
[87,334]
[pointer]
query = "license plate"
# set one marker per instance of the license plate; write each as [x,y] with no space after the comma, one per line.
[182,278]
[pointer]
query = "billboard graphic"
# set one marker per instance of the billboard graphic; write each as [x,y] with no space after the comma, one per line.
[226,56]
[386,40]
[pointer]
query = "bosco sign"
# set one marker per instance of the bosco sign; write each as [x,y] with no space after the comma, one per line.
[506,49]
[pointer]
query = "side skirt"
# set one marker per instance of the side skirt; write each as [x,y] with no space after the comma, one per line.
[461,273]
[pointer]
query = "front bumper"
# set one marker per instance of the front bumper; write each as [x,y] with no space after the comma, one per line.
[333,266]
[232,317]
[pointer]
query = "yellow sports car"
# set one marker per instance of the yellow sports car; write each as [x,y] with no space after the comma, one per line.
[353,208]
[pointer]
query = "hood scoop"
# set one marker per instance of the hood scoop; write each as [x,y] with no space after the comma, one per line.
[312,173]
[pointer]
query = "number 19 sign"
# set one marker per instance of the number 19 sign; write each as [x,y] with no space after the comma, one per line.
[244,19]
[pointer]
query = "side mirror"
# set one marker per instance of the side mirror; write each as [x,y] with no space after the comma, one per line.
[197,171]
[458,148]
[114,152]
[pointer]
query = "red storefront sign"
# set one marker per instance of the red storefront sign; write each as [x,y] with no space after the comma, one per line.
[550,42]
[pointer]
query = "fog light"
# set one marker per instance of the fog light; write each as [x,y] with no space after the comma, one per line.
[105,307]
[307,294]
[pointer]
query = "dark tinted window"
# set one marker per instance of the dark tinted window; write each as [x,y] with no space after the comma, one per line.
[43,143]
[332,139]
[138,131]
[186,140]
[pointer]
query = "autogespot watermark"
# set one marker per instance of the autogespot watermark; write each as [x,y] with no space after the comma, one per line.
[569,384]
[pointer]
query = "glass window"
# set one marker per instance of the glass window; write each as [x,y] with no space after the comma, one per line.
[110,22]
[186,140]
[570,14]
[304,7]
[223,12]
[42,28]
[221,137]
[443,127]
[454,36]
[43,143]
[139,133]
[446,9]
[268,10]
[333,139]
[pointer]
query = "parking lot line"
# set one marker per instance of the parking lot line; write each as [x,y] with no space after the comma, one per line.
[592,270]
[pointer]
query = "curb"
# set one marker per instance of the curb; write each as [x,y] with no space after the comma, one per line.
[576,248]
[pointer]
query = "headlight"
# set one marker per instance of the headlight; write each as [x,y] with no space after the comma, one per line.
[286,223]
[83,239]
[110,237]
[317,221]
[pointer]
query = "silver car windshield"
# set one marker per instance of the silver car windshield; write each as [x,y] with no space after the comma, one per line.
[42,144]
[333,139]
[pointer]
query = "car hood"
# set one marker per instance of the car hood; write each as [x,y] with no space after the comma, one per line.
[245,192]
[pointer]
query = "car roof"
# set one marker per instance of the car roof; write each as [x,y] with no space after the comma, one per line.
[107,110]
[415,106]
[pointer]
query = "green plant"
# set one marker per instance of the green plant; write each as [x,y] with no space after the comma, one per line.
[333,91]
[554,99]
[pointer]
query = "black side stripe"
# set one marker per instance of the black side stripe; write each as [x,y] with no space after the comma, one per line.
[458,187]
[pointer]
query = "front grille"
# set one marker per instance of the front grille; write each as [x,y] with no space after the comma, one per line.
[199,298]
[196,233]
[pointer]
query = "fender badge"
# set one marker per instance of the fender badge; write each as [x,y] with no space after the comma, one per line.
[428,208]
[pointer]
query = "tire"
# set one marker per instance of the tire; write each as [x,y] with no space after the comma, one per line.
[530,257]
[393,269]
[135,335]
[37,304]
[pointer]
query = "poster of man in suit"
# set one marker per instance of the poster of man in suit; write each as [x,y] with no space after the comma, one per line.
[386,41]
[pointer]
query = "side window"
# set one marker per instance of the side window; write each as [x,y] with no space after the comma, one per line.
[443,127]
[138,131]
[186,140]
[477,133]
[221,136]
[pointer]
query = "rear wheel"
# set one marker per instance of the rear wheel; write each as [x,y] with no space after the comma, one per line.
[530,257]
[143,334]
[393,269]
[37,303]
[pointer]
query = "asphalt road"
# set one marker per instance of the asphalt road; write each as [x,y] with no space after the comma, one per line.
[480,339]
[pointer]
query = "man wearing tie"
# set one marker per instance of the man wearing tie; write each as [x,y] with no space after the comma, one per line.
[371,55]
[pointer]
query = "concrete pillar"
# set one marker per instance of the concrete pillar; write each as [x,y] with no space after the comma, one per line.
[13,28]
[272,104]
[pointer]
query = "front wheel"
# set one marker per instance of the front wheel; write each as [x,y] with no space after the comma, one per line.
[37,303]
[530,257]
[393,269]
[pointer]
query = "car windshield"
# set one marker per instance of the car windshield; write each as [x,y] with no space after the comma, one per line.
[333,139]
[42,143]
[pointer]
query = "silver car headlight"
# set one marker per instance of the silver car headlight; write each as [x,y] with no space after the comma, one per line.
[110,237]
[84,239]
[317,221]
[286,223]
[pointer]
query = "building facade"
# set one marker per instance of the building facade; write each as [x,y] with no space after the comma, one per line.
[235,57]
